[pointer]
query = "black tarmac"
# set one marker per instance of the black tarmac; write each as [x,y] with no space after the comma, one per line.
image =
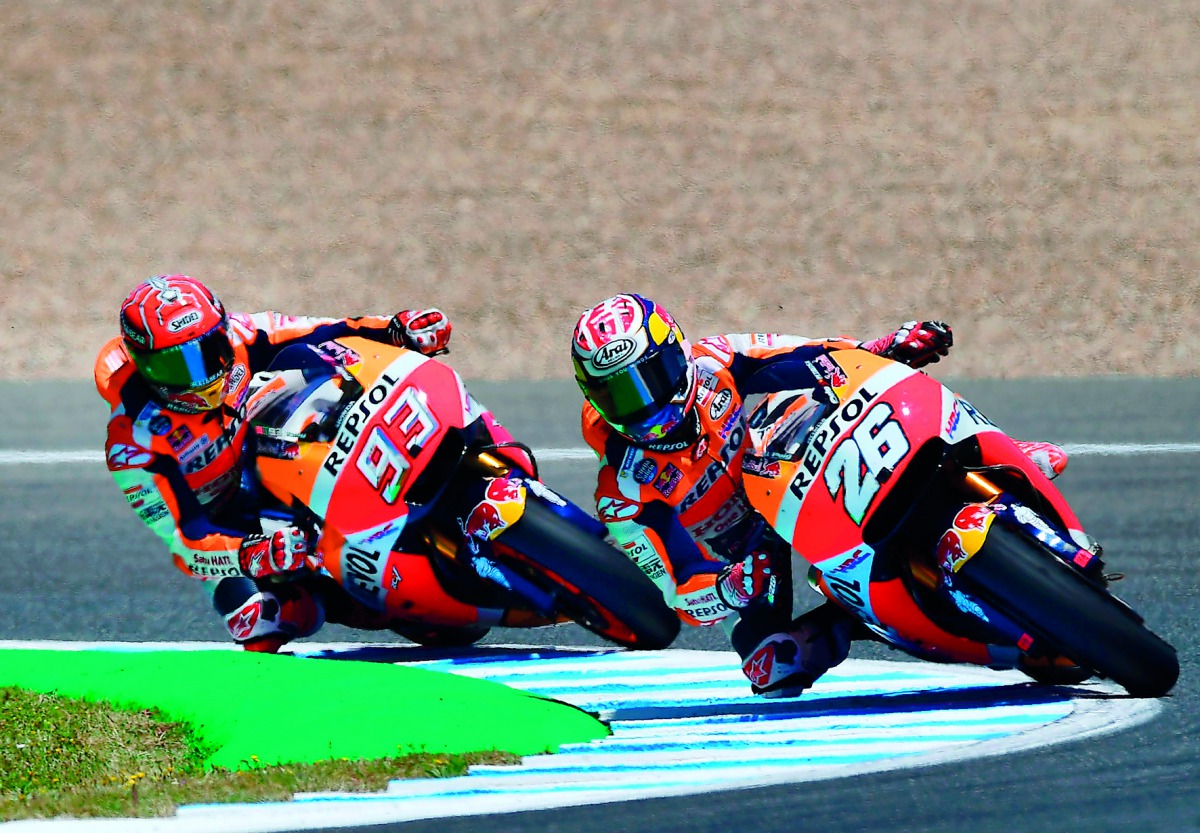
[75,564]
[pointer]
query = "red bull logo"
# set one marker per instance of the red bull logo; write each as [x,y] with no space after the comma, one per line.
[965,536]
[975,517]
[505,490]
[951,553]
[484,522]
[502,506]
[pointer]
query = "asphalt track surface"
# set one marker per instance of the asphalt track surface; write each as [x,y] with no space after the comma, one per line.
[75,564]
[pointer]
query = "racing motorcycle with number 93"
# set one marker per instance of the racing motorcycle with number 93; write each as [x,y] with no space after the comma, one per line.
[420,516]
[921,518]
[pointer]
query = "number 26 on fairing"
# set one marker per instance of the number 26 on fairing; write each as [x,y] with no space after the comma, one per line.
[876,444]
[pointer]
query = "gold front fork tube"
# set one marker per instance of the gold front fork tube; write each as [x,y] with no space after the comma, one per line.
[982,486]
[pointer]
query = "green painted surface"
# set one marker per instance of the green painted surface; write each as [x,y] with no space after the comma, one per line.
[283,709]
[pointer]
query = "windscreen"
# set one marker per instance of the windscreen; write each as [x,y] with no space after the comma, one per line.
[785,423]
[300,404]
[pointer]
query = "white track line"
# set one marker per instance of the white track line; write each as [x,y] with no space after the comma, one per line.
[17,457]
[854,720]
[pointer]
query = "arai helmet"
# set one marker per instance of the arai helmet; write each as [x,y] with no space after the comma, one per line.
[635,367]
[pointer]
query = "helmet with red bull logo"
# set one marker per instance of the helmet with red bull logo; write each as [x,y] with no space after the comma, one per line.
[177,334]
[635,367]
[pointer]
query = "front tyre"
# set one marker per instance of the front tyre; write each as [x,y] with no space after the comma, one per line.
[592,582]
[1071,614]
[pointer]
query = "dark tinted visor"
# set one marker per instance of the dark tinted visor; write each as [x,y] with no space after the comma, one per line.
[640,390]
[187,366]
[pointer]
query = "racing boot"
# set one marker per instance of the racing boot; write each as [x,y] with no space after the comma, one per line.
[1048,457]
[785,664]
[266,620]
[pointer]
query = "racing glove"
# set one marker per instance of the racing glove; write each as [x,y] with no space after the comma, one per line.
[749,579]
[425,330]
[281,552]
[916,343]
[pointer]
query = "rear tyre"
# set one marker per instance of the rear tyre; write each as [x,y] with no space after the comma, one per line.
[593,583]
[1073,615]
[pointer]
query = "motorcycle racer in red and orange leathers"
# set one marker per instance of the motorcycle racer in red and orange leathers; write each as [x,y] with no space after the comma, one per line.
[177,379]
[667,421]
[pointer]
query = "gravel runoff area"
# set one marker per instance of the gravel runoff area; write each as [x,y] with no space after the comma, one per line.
[1027,171]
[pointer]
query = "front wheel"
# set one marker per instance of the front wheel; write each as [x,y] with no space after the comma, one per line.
[1070,613]
[592,582]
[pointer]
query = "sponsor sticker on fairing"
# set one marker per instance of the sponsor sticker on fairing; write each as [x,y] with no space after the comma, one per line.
[950,551]
[829,370]
[544,492]
[356,418]
[760,467]
[502,506]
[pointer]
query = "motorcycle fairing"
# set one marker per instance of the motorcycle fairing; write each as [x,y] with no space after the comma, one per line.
[962,419]
[838,464]
[385,579]
[841,471]
[359,488]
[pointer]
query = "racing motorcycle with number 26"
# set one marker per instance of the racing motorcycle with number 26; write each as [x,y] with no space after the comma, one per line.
[421,516]
[921,518]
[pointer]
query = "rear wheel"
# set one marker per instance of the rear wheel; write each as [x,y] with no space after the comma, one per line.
[592,582]
[1072,615]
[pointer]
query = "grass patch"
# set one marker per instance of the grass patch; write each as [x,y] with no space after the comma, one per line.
[66,757]
[345,709]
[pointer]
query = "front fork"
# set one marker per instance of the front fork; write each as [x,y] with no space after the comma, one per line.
[965,538]
[494,502]
[1082,555]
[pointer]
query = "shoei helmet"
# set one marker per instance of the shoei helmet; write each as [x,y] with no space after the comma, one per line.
[177,334]
[634,366]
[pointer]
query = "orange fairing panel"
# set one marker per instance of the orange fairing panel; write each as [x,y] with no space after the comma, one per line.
[401,584]
[293,479]
[820,501]
[894,605]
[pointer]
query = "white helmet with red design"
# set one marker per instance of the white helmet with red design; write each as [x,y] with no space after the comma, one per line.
[177,333]
[635,367]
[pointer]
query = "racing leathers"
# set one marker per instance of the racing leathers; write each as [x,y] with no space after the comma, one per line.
[677,507]
[183,474]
